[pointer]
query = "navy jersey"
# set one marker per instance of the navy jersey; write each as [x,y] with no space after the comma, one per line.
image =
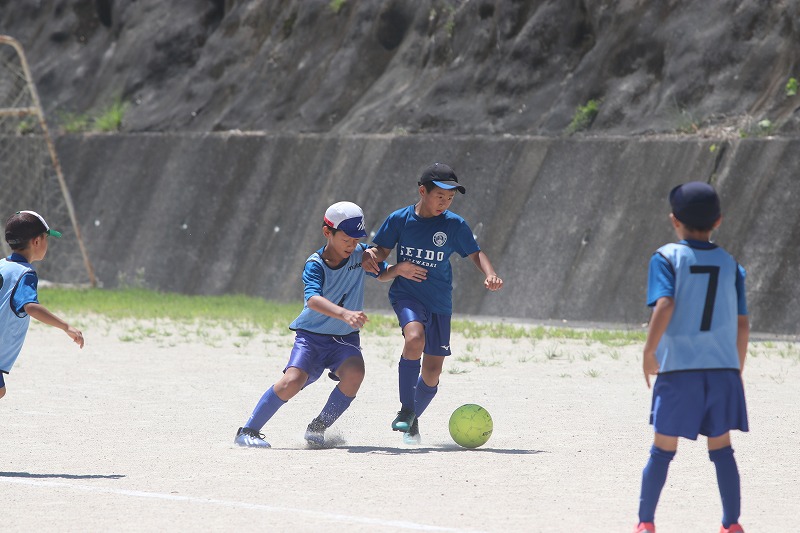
[342,285]
[18,283]
[707,286]
[428,242]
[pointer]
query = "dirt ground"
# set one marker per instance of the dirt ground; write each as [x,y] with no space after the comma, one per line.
[135,433]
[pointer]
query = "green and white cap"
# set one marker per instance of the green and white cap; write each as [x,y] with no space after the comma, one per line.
[26,225]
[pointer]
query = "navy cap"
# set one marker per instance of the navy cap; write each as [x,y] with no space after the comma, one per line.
[442,176]
[696,204]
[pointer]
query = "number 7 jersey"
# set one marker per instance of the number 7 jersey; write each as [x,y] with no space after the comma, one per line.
[707,286]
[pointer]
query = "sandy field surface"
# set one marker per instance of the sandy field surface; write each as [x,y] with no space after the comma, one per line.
[135,433]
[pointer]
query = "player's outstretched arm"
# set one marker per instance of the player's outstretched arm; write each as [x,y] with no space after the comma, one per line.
[354,319]
[659,320]
[373,257]
[492,281]
[42,314]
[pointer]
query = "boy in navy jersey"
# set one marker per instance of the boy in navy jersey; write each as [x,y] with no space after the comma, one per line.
[27,234]
[696,345]
[326,329]
[425,234]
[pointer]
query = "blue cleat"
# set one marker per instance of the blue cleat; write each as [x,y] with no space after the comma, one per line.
[404,420]
[249,437]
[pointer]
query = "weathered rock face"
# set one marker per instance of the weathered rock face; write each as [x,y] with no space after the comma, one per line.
[403,66]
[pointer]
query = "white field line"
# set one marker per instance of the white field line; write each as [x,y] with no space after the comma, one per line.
[332,517]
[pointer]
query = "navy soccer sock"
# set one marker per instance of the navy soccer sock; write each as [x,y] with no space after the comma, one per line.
[267,406]
[408,371]
[424,396]
[728,481]
[654,476]
[336,405]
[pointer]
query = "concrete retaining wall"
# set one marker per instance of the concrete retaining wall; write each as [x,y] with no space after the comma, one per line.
[570,224]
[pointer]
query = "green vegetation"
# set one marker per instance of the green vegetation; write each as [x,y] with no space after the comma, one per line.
[74,122]
[111,118]
[791,87]
[141,304]
[763,128]
[450,23]
[27,126]
[584,116]
[337,5]
[108,120]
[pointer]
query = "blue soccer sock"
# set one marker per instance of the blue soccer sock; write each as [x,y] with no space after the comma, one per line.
[267,406]
[728,481]
[408,371]
[337,404]
[654,476]
[423,397]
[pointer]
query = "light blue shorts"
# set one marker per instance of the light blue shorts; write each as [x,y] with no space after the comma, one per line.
[313,353]
[698,402]
[437,326]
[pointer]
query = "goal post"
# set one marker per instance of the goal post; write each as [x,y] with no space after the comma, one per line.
[30,172]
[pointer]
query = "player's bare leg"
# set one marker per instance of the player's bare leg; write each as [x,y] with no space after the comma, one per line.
[290,383]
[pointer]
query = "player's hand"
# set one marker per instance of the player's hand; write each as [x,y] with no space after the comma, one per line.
[75,335]
[411,271]
[649,365]
[493,282]
[354,319]
[369,261]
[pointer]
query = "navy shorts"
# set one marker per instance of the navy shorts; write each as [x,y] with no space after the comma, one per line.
[437,326]
[2,382]
[313,353]
[698,402]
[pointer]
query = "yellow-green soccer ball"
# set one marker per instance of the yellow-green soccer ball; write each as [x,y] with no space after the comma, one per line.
[471,426]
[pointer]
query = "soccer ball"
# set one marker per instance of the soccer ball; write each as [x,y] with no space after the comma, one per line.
[470,426]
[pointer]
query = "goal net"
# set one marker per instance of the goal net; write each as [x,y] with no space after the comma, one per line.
[30,173]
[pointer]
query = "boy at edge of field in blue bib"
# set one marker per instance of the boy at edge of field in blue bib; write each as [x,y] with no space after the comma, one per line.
[425,234]
[327,329]
[27,235]
[696,345]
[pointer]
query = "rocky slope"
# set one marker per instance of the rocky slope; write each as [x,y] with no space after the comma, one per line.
[521,67]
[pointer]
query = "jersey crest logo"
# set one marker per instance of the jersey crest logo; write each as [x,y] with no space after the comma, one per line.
[439,238]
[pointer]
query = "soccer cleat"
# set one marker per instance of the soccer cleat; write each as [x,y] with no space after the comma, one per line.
[405,417]
[315,433]
[412,436]
[734,528]
[250,437]
[645,527]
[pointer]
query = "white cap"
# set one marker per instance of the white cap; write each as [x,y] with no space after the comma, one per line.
[347,217]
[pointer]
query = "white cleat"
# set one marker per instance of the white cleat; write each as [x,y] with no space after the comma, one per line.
[249,437]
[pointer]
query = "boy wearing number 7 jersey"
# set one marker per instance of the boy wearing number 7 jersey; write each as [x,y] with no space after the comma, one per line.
[696,345]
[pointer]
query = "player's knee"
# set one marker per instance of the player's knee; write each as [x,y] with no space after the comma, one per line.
[352,371]
[415,340]
[2,391]
[288,386]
